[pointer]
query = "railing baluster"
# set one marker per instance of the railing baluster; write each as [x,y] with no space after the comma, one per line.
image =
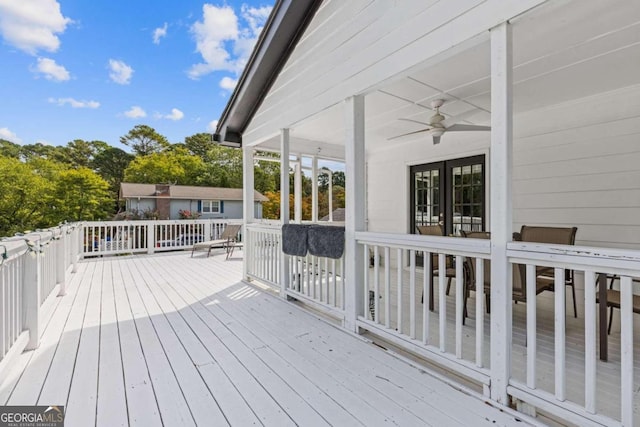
[479,312]
[412,294]
[365,282]
[590,356]
[399,291]
[426,297]
[376,281]
[459,306]
[387,286]
[442,268]
[531,324]
[334,275]
[626,350]
[560,328]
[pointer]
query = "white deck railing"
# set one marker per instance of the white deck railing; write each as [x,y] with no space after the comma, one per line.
[315,280]
[263,252]
[397,299]
[128,237]
[34,269]
[594,264]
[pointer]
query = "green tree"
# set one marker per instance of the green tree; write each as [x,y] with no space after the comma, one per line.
[42,151]
[81,153]
[199,144]
[80,194]
[9,149]
[144,140]
[110,164]
[175,167]
[24,196]
[223,167]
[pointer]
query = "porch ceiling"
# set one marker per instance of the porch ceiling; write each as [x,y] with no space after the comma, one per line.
[564,50]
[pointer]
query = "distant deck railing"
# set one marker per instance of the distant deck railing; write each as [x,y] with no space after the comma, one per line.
[34,268]
[129,237]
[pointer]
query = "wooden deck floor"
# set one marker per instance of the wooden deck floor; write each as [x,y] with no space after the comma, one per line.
[176,341]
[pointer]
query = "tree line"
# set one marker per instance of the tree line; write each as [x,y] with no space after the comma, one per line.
[43,185]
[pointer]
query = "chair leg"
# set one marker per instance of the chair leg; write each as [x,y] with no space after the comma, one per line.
[610,320]
[448,286]
[575,306]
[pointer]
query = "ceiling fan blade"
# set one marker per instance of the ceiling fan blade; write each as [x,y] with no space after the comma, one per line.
[460,117]
[416,121]
[436,140]
[407,134]
[461,128]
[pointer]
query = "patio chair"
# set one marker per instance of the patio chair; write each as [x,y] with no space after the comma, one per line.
[519,274]
[437,230]
[554,235]
[613,300]
[228,240]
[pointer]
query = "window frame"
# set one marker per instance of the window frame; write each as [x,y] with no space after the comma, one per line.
[210,204]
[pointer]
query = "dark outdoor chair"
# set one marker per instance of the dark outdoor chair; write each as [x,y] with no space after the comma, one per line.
[545,275]
[554,235]
[450,273]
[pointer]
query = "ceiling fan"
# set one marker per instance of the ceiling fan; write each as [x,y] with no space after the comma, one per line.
[438,125]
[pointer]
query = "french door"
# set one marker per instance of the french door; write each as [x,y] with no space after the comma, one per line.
[450,193]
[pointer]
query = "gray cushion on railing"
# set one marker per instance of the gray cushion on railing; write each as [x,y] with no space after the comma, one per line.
[294,239]
[326,241]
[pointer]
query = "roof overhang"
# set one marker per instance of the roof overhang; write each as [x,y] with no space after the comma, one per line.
[283,29]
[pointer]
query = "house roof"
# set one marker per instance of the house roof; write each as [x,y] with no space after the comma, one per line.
[283,29]
[130,190]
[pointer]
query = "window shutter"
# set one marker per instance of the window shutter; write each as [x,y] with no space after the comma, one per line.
[199,205]
[221,206]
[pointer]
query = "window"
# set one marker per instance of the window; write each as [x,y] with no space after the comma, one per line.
[210,206]
[449,193]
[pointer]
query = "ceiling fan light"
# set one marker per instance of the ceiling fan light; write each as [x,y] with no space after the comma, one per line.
[437,132]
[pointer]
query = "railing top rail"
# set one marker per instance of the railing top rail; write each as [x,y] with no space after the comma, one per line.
[604,260]
[157,222]
[263,226]
[435,244]
[12,248]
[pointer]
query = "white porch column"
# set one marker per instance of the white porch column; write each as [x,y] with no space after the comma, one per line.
[355,210]
[297,189]
[248,204]
[501,209]
[284,205]
[314,189]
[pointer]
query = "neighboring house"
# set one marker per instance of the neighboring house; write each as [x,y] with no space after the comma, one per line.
[169,200]
[387,86]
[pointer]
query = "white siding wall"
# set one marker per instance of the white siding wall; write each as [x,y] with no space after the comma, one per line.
[351,46]
[575,164]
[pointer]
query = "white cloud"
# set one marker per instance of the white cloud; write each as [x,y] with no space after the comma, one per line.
[74,103]
[228,83]
[212,126]
[120,73]
[32,25]
[159,33]
[135,112]
[222,42]
[175,115]
[6,134]
[51,70]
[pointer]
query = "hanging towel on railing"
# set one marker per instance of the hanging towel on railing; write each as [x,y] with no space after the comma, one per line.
[294,239]
[326,241]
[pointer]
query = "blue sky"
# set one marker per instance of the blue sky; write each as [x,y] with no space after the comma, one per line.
[92,70]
